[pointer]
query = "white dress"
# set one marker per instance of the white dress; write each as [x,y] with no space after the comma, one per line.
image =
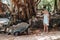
[46,19]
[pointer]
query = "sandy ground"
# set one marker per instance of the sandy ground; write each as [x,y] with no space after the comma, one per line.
[43,36]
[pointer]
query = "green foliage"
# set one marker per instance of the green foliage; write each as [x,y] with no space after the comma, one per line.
[49,4]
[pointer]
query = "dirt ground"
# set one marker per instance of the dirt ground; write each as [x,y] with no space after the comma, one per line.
[42,36]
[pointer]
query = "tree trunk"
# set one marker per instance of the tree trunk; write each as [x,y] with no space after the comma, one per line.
[28,8]
[55,6]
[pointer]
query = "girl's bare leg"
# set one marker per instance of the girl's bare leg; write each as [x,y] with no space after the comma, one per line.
[45,28]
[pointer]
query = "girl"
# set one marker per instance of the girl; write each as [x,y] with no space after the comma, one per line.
[45,19]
